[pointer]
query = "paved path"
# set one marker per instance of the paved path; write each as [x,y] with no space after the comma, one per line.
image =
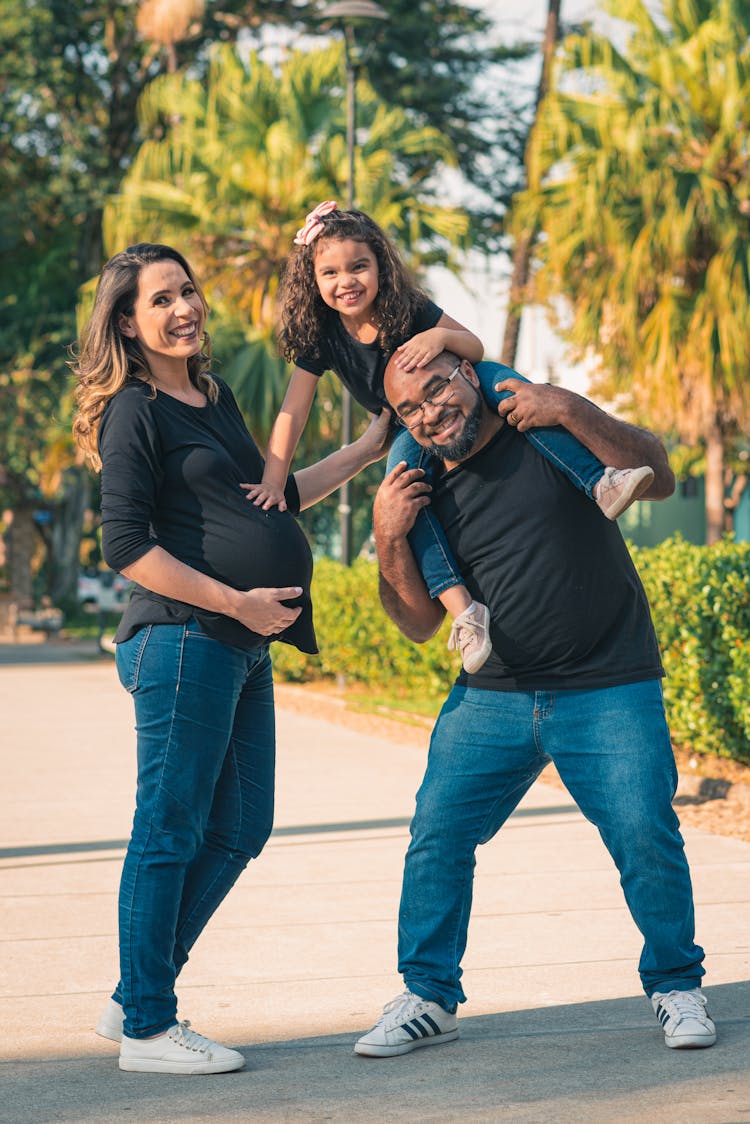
[300,958]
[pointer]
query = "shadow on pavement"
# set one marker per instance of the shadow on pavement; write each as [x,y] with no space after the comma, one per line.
[598,1061]
[41,849]
[52,651]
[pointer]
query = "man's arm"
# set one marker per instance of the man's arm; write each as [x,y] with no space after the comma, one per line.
[612,441]
[403,593]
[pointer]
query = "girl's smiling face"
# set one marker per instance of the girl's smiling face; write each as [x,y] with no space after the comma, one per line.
[168,316]
[346,273]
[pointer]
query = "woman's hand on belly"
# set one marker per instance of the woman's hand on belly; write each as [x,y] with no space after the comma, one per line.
[261,610]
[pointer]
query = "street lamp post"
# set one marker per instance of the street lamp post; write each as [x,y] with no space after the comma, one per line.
[348,15]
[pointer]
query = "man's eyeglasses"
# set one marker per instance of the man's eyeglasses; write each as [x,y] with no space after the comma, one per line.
[441,393]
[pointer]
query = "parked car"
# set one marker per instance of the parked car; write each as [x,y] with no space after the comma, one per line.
[103,591]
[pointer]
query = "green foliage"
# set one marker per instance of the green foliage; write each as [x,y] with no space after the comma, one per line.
[253,149]
[229,181]
[639,178]
[700,600]
[357,640]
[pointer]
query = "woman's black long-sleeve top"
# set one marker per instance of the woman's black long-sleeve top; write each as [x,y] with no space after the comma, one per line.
[171,477]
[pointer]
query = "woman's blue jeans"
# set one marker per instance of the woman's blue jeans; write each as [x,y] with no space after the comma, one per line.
[612,750]
[204,804]
[426,539]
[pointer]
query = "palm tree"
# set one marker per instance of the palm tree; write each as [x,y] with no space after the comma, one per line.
[231,178]
[639,177]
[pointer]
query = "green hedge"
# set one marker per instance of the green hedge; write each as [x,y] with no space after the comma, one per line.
[700,597]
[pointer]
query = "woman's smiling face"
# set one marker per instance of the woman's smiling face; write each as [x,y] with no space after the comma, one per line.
[168,316]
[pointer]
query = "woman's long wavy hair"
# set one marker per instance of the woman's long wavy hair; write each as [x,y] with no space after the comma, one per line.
[105,359]
[305,317]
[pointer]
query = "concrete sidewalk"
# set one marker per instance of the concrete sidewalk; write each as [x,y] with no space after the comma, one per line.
[300,958]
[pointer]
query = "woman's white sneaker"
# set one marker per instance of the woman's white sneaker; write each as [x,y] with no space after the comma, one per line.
[179,1050]
[407,1023]
[684,1019]
[110,1021]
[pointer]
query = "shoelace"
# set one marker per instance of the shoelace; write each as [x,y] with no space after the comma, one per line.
[685,1005]
[407,1001]
[182,1035]
[462,634]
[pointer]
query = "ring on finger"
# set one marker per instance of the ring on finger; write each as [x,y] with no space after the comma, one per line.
[513,417]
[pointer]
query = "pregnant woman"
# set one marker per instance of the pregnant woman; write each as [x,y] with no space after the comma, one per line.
[217,579]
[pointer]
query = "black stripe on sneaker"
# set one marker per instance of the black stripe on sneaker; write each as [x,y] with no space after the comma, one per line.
[431,1022]
[662,1014]
[423,1030]
[410,1031]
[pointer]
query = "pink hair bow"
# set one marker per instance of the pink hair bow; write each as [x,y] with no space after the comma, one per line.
[313,226]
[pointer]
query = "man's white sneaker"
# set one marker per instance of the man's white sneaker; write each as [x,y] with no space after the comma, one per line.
[471,637]
[110,1021]
[619,487]
[180,1050]
[407,1023]
[684,1019]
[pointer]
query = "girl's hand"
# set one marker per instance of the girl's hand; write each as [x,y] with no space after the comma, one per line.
[261,609]
[420,349]
[265,496]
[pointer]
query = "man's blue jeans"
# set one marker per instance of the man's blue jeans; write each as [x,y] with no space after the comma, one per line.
[427,539]
[613,752]
[204,806]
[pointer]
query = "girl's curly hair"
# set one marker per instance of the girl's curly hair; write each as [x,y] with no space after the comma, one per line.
[106,358]
[304,315]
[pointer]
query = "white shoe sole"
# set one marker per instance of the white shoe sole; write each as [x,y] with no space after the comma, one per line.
[372,1050]
[186,1069]
[691,1042]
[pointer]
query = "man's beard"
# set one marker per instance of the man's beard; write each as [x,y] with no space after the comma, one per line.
[463,445]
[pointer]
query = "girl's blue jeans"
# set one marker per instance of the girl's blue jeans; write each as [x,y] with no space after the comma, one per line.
[612,750]
[204,805]
[426,539]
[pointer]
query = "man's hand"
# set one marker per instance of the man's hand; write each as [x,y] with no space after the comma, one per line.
[533,404]
[399,499]
[403,592]
[612,441]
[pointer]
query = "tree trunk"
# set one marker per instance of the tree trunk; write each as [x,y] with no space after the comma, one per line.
[525,245]
[516,298]
[714,483]
[21,540]
[65,537]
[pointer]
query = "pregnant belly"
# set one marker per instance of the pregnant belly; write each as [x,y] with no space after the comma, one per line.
[262,550]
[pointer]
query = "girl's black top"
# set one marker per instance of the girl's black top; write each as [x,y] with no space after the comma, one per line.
[171,477]
[361,366]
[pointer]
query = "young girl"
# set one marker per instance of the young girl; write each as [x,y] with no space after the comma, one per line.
[347,304]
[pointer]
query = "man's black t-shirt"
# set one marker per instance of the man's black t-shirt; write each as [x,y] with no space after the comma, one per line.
[567,607]
[171,476]
[361,366]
